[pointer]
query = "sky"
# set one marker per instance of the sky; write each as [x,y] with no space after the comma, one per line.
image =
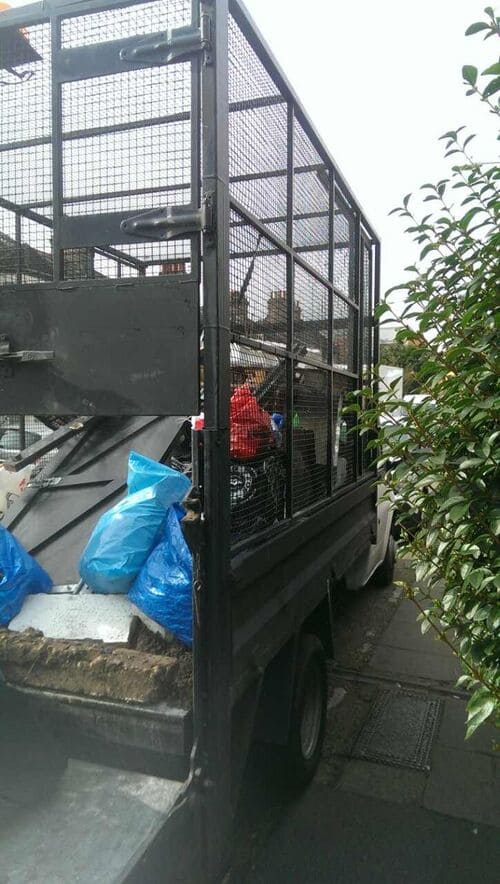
[381,81]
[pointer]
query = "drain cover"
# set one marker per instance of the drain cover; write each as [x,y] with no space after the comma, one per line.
[400,730]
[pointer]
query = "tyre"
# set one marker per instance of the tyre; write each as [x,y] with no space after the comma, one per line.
[384,575]
[308,714]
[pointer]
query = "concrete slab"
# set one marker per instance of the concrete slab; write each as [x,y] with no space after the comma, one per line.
[452,730]
[400,662]
[107,618]
[462,785]
[334,836]
[401,634]
[380,781]
[407,612]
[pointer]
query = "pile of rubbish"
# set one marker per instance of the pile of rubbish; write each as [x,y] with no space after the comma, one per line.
[124,632]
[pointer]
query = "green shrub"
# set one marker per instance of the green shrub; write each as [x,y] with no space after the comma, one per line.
[447,481]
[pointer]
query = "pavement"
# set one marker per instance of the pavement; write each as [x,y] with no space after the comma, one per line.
[366,820]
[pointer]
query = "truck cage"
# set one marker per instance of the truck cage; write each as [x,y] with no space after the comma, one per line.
[173,230]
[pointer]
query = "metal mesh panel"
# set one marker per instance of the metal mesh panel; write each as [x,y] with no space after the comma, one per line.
[25,82]
[367,312]
[344,339]
[367,283]
[258,286]
[18,432]
[311,412]
[257,136]
[35,252]
[127,138]
[126,143]
[25,249]
[311,197]
[345,250]
[25,151]
[116,24]
[311,315]
[344,440]
[258,313]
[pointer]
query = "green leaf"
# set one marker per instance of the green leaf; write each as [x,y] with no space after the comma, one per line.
[493,69]
[465,569]
[458,511]
[470,462]
[476,27]
[479,709]
[467,218]
[469,73]
[492,87]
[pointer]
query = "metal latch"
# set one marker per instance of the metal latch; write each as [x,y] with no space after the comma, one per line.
[177,44]
[174,222]
[8,355]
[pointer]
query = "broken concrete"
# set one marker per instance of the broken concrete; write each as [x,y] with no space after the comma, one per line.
[95,669]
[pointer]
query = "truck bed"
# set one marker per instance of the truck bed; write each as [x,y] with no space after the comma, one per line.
[136,697]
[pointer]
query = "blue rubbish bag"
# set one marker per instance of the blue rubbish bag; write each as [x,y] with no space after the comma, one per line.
[125,535]
[162,589]
[20,575]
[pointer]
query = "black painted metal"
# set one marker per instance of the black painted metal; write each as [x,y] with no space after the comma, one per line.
[213,636]
[114,352]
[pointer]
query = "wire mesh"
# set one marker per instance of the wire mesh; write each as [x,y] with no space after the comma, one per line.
[344,260]
[19,432]
[124,21]
[127,139]
[367,367]
[310,427]
[257,136]
[344,439]
[259,330]
[345,320]
[311,200]
[25,150]
[312,315]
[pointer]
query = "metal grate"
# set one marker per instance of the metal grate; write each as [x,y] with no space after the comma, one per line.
[259,381]
[127,140]
[311,200]
[125,21]
[343,344]
[25,151]
[18,432]
[126,145]
[344,440]
[345,249]
[367,360]
[311,422]
[400,730]
[257,136]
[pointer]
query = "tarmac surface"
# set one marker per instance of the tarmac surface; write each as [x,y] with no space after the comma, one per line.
[364,820]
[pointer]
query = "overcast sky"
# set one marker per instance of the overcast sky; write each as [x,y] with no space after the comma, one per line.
[381,80]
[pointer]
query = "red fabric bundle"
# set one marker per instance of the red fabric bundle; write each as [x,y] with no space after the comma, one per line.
[250,425]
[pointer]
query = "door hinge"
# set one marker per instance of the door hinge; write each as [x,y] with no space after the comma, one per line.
[176,45]
[171,222]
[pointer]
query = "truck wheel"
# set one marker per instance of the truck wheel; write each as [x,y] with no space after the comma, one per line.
[308,713]
[384,575]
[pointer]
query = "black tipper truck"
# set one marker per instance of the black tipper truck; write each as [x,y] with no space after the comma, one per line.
[173,232]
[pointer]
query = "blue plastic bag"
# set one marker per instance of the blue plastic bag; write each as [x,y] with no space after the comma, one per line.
[20,575]
[125,535]
[163,588]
